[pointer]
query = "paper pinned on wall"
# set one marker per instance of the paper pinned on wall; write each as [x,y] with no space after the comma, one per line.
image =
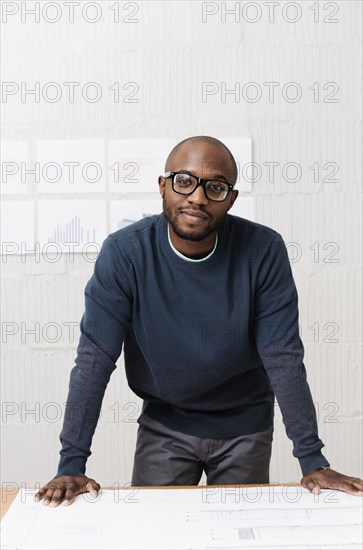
[14,158]
[135,164]
[72,224]
[284,518]
[17,238]
[124,213]
[71,166]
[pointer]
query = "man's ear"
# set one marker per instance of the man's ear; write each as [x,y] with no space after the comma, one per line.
[161,182]
[233,198]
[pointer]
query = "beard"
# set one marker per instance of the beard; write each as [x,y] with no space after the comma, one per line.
[194,234]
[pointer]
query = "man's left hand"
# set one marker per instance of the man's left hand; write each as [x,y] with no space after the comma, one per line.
[330,479]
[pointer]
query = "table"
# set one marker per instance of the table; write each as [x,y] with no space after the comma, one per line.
[8,496]
[218,517]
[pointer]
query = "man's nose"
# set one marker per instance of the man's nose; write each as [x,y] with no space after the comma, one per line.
[198,196]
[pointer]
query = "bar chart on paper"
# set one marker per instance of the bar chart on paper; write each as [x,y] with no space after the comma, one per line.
[202,518]
[72,221]
[72,232]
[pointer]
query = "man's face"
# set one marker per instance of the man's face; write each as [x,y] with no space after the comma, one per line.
[194,217]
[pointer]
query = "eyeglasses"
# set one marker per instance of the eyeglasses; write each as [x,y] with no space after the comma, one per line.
[185,183]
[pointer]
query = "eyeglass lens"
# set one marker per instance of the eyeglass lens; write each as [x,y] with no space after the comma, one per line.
[186,184]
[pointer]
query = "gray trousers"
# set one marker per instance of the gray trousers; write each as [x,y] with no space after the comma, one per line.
[167,457]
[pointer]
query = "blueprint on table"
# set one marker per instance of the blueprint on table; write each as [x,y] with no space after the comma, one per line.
[275,517]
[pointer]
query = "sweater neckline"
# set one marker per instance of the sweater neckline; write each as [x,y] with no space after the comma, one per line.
[185,258]
[182,262]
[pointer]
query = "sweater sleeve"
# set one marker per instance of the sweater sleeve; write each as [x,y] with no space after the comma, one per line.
[103,327]
[282,352]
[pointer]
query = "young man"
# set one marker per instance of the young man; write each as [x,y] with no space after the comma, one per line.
[206,308]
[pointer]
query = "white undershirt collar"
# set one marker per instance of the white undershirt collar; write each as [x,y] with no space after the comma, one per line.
[186,257]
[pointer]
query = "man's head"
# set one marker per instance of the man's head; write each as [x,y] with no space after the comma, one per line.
[196,216]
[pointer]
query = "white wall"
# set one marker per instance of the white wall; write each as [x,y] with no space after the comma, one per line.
[171,53]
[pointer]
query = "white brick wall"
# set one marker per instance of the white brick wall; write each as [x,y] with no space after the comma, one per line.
[169,53]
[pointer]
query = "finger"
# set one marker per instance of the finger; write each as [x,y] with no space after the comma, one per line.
[48,495]
[93,488]
[68,497]
[313,487]
[350,485]
[358,484]
[57,497]
[353,488]
[51,495]
[40,494]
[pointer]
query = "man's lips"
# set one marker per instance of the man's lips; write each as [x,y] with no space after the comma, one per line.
[195,216]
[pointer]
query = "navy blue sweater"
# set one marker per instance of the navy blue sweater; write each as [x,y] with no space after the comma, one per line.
[208,345]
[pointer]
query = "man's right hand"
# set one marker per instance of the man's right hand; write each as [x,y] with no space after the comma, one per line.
[63,490]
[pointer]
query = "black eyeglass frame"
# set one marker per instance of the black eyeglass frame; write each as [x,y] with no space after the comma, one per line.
[200,181]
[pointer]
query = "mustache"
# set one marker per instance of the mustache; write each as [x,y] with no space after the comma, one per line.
[182,209]
[186,207]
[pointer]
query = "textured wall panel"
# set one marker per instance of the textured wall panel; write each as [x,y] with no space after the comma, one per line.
[170,53]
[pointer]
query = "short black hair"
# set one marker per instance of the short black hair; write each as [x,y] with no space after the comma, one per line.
[204,139]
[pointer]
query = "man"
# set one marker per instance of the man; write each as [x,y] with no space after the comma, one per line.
[207,310]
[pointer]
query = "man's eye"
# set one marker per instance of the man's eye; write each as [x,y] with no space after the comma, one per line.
[216,186]
[185,181]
